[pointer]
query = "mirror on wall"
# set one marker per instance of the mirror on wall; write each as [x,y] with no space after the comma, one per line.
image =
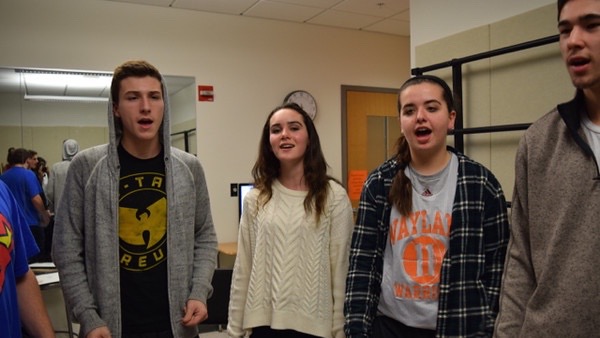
[42,107]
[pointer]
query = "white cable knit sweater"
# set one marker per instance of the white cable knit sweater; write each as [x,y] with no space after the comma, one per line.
[289,272]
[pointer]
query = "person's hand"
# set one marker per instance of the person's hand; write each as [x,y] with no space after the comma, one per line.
[100,332]
[194,313]
[45,218]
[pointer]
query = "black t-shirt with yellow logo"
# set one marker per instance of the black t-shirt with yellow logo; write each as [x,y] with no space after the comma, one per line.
[143,244]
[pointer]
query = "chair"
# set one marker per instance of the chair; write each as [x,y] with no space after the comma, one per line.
[218,303]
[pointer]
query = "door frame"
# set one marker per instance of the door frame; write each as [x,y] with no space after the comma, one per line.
[344,96]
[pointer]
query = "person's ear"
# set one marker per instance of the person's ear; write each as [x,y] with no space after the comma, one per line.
[115,110]
[451,120]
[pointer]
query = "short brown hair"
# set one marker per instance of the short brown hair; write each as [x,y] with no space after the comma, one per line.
[560,4]
[18,156]
[135,68]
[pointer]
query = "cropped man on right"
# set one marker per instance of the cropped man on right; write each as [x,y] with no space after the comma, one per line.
[551,283]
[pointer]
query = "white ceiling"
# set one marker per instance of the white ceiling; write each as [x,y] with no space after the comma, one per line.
[381,16]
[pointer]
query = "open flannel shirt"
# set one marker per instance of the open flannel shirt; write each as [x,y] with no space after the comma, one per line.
[471,270]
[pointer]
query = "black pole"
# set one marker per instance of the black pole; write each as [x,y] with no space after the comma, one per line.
[459,140]
[486,55]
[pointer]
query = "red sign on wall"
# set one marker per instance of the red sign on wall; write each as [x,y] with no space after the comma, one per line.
[206,93]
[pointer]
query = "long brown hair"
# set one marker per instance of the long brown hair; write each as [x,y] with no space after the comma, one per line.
[401,189]
[267,166]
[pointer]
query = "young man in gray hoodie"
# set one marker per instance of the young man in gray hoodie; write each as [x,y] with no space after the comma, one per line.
[134,240]
[551,283]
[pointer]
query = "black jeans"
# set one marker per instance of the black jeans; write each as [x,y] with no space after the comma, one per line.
[164,334]
[267,332]
[385,327]
[39,235]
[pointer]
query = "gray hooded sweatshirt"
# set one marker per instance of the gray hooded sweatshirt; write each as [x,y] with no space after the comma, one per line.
[58,173]
[86,235]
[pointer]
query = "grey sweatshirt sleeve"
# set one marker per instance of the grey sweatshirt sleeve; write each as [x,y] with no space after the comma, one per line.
[69,252]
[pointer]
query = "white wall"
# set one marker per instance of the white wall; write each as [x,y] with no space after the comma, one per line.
[431,20]
[490,94]
[252,64]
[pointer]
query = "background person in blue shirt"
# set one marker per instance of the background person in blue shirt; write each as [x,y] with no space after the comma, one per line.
[27,190]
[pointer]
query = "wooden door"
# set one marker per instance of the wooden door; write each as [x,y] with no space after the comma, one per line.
[370,130]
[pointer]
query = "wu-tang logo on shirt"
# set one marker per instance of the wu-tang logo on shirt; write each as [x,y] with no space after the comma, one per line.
[142,225]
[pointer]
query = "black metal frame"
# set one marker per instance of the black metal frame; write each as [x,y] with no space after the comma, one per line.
[186,134]
[456,65]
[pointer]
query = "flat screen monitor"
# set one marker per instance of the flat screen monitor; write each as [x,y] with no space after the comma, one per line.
[243,189]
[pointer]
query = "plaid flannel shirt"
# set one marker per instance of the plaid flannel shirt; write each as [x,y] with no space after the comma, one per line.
[471,269]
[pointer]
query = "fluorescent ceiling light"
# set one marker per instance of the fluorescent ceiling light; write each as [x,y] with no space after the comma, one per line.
[65,86]
[68,80]
[55,98]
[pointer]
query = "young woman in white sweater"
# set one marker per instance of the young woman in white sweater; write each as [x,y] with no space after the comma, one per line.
[292,260]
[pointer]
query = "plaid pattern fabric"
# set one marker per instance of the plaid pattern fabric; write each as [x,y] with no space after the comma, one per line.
[472,267]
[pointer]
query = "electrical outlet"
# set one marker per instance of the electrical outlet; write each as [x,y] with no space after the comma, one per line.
[233,189]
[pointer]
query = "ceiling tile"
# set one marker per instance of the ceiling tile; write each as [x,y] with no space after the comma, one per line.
[162,3]
[344,19]
[325,4]
[390,26]
[402,16]
[218,6]
[379,8]
[351,14]
[283,11]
